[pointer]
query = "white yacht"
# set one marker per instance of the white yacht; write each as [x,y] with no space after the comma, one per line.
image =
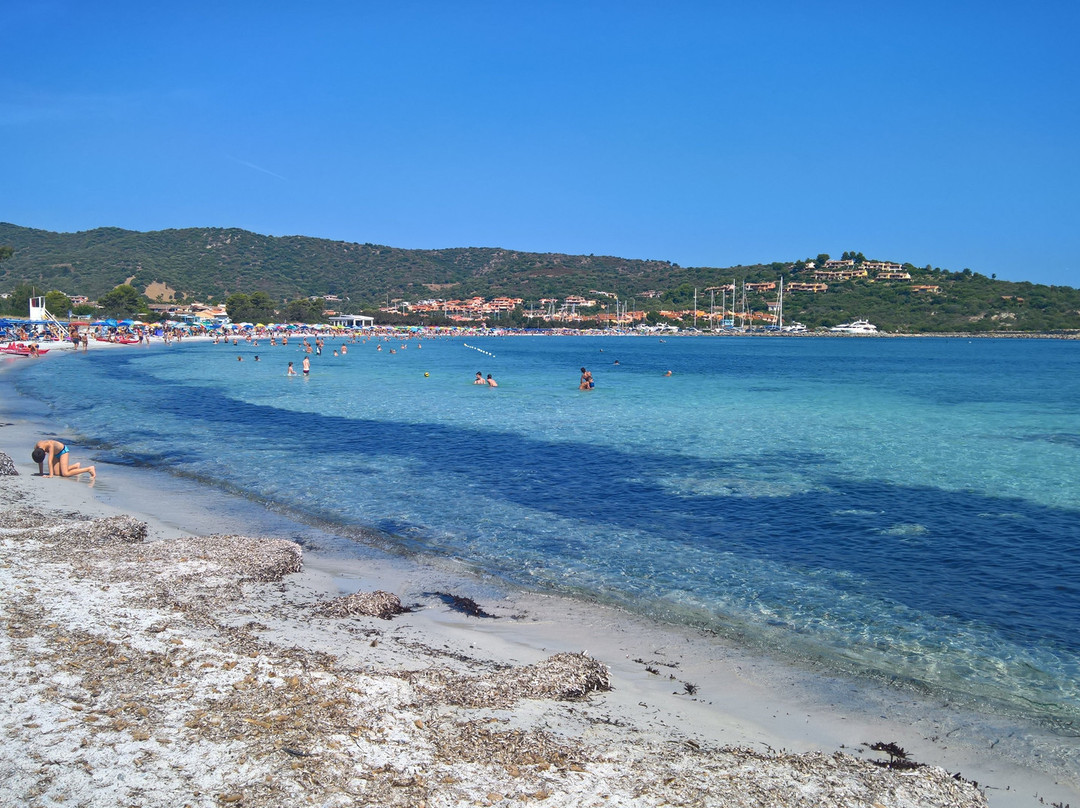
[855,327]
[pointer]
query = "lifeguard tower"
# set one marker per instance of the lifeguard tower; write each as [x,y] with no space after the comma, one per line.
[39,315]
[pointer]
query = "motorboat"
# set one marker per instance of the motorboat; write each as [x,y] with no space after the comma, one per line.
[855,327]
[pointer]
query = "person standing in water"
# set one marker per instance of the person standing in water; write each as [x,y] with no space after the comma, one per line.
[586,382]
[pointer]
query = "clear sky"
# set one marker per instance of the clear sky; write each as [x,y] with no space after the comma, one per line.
[703,133]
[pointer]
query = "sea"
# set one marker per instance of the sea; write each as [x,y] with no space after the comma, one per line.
[897,510]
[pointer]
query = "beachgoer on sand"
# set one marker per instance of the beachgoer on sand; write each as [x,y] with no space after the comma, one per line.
[57,455]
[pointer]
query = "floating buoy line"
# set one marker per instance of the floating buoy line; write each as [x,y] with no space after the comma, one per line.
[481,350]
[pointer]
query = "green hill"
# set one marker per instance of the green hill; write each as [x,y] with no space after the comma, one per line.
[212,263]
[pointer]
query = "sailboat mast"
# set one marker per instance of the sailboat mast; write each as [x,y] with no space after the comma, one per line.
[781,321]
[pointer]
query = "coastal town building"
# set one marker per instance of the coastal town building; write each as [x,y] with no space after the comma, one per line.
[839,274]
[352,320]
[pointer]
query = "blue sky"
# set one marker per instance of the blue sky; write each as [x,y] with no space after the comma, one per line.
[707,134]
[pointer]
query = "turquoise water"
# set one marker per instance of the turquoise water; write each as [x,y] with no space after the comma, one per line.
[903,509]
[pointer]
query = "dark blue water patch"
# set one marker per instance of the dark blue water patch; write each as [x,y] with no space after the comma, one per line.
[1060,438]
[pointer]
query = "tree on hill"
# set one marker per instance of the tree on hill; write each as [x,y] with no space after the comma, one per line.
[123,301]
[18,302]
[57,303]
[305,310]
[254,308]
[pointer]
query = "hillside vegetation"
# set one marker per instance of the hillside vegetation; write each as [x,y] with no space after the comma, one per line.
[209,264]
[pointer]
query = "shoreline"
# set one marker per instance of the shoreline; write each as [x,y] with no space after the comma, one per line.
[740,700]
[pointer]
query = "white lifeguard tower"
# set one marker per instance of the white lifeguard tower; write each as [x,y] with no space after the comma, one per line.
[40,314]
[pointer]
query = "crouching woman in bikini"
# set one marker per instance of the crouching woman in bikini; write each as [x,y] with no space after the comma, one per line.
[57,455]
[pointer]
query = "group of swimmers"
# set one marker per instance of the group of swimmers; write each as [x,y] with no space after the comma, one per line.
[305,366]
[489,381]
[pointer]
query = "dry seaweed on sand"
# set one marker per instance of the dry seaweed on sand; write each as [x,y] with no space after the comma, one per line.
[250,558]
[563,677]
[101,532]
[7,466]
[147,660]
[21,517]
[383,605]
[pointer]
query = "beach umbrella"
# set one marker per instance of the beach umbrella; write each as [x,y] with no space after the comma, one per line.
[111,323]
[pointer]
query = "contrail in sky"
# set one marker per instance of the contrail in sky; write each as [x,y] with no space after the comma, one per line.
[257,168]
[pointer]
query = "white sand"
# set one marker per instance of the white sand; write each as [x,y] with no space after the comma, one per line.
[240,694]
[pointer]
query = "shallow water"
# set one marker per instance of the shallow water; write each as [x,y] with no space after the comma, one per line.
[904,509]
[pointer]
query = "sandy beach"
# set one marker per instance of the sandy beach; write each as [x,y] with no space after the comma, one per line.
[165,645]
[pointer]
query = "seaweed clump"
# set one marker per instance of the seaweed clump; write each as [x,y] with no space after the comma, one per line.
[461,604]
[898,758]
[383,605]
[563,677]
[7,466]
